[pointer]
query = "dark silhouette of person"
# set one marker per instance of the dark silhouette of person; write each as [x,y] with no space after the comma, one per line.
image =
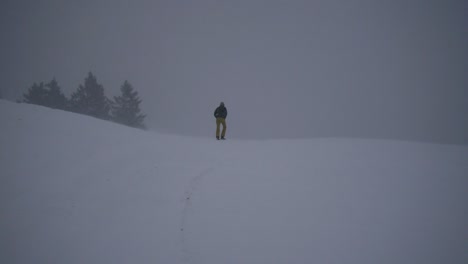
[220,114]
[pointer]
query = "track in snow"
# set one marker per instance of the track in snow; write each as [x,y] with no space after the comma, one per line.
[191,188]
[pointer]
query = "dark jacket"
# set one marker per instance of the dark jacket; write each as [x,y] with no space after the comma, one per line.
[220,112]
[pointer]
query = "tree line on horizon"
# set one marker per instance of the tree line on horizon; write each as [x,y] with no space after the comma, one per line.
[89,99]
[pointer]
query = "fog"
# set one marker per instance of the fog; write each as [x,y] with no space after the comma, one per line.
[285,69]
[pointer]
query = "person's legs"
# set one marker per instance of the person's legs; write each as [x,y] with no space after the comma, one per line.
[223,122]
[218,123]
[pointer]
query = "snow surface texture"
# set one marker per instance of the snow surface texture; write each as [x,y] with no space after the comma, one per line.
[75,189]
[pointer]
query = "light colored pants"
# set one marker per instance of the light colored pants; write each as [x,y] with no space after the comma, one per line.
[220,121]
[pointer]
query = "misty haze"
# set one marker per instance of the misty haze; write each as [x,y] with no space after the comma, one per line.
[285,69]
[250,131]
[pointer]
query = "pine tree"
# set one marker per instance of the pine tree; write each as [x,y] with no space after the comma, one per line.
[55,97]
[126,107]
[89,99]
[37,94]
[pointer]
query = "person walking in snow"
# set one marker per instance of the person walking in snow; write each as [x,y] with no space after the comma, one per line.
[220,114]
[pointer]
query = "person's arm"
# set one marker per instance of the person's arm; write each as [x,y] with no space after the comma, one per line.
[216,110]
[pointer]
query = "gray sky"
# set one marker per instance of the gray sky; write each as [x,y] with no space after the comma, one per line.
[285,69]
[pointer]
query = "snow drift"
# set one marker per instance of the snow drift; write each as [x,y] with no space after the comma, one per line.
[75,189]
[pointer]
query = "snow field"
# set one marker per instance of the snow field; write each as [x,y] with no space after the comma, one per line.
[75,189]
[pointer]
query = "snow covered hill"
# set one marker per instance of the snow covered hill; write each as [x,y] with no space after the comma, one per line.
[74,189]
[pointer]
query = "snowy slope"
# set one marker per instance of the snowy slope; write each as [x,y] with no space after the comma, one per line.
[75,189]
